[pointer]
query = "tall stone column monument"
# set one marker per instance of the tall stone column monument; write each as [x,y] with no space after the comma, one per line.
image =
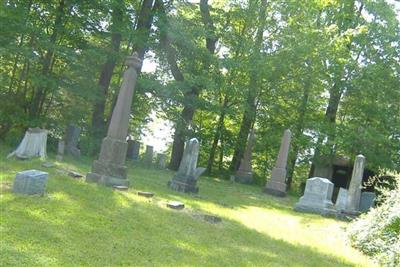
[354,192]
[110,168]
[276,185]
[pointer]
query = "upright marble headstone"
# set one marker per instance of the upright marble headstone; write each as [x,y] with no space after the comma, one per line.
[367,201]
[317,197]
[354,192]
[341,199]
[276,185]
[148,156]
[186,178]
[110,168]
[60,150]
[30,182]
[161,160]
[71,141]
[245,174]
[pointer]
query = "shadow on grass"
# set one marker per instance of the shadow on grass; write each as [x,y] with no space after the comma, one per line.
[87,224]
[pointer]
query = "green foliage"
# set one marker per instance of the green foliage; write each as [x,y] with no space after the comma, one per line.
[377,233]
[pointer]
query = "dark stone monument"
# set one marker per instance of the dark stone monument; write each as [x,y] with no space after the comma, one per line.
[367,201]
[244,174]
[110,168]
[72,140]
[186,178]
[276,185]
[129,151]
[30,182]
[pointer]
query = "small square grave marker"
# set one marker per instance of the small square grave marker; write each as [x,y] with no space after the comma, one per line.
[30,182]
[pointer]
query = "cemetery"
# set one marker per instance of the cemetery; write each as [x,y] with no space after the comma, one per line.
[200,133]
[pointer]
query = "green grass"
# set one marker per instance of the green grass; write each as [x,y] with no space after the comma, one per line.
[80,224]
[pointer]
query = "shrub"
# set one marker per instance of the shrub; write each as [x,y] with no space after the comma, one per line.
[377,233]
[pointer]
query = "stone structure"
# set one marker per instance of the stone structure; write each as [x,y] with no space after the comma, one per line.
[245,174]
[71,141]
[110,168]
[161,161]
[60,150]
[133,150]
[30,182]
[148,156]
[317,197]
[276,185]
[367,201]
[186,178]
[341,199]
[354,191]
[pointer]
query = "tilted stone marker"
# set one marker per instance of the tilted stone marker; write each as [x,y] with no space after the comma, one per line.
[341,199]
[186,178]
[161,161]
[244,174]
[176,205]
[60,150]
[72,140]
[317,197]
[354,192]
[276,185]
[110,168]
[30,182]
[367,201]
[148,156]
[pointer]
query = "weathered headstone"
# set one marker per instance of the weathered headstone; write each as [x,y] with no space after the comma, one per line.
[129,151]
[354,192]
[276,185]
[161,161]
[186,178]
[60,150]
[135,150]
[317,197]
[148,156]
[110,168]
[367,201]
[72,140]
[244,174]
[30,182]
[341,199]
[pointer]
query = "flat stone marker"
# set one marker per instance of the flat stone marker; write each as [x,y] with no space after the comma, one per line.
[212,218]
[317,197]
[75,174]
[176,205]
[120,187]
[145,194]
[21,157]
[47,164]
[30,182]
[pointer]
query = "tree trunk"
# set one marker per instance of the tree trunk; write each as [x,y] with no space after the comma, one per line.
[250,103]
[39,93]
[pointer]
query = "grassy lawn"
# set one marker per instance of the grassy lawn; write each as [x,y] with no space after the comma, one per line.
[77,223]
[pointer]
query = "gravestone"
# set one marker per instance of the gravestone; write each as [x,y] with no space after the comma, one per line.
[367,201]
[317,197]
[148,156]
[135,150]
[354,191]
[276,185]
[176,205]
[244,174]
[110,168]
[72,140]
[30,182]
[186,178]
[341,199]
[129,151]
[145,194]
[60,150]
[161,161]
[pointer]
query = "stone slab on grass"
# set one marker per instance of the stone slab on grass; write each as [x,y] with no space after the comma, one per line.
[176,205]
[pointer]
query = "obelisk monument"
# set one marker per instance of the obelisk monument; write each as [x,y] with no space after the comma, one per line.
[276,185]
[110,168]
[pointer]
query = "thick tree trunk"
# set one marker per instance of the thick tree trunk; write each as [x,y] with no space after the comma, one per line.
[249,114]
[39,93]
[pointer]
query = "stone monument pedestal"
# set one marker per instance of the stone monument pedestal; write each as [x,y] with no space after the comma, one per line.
[276,186]
[244,177]
[180,184]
